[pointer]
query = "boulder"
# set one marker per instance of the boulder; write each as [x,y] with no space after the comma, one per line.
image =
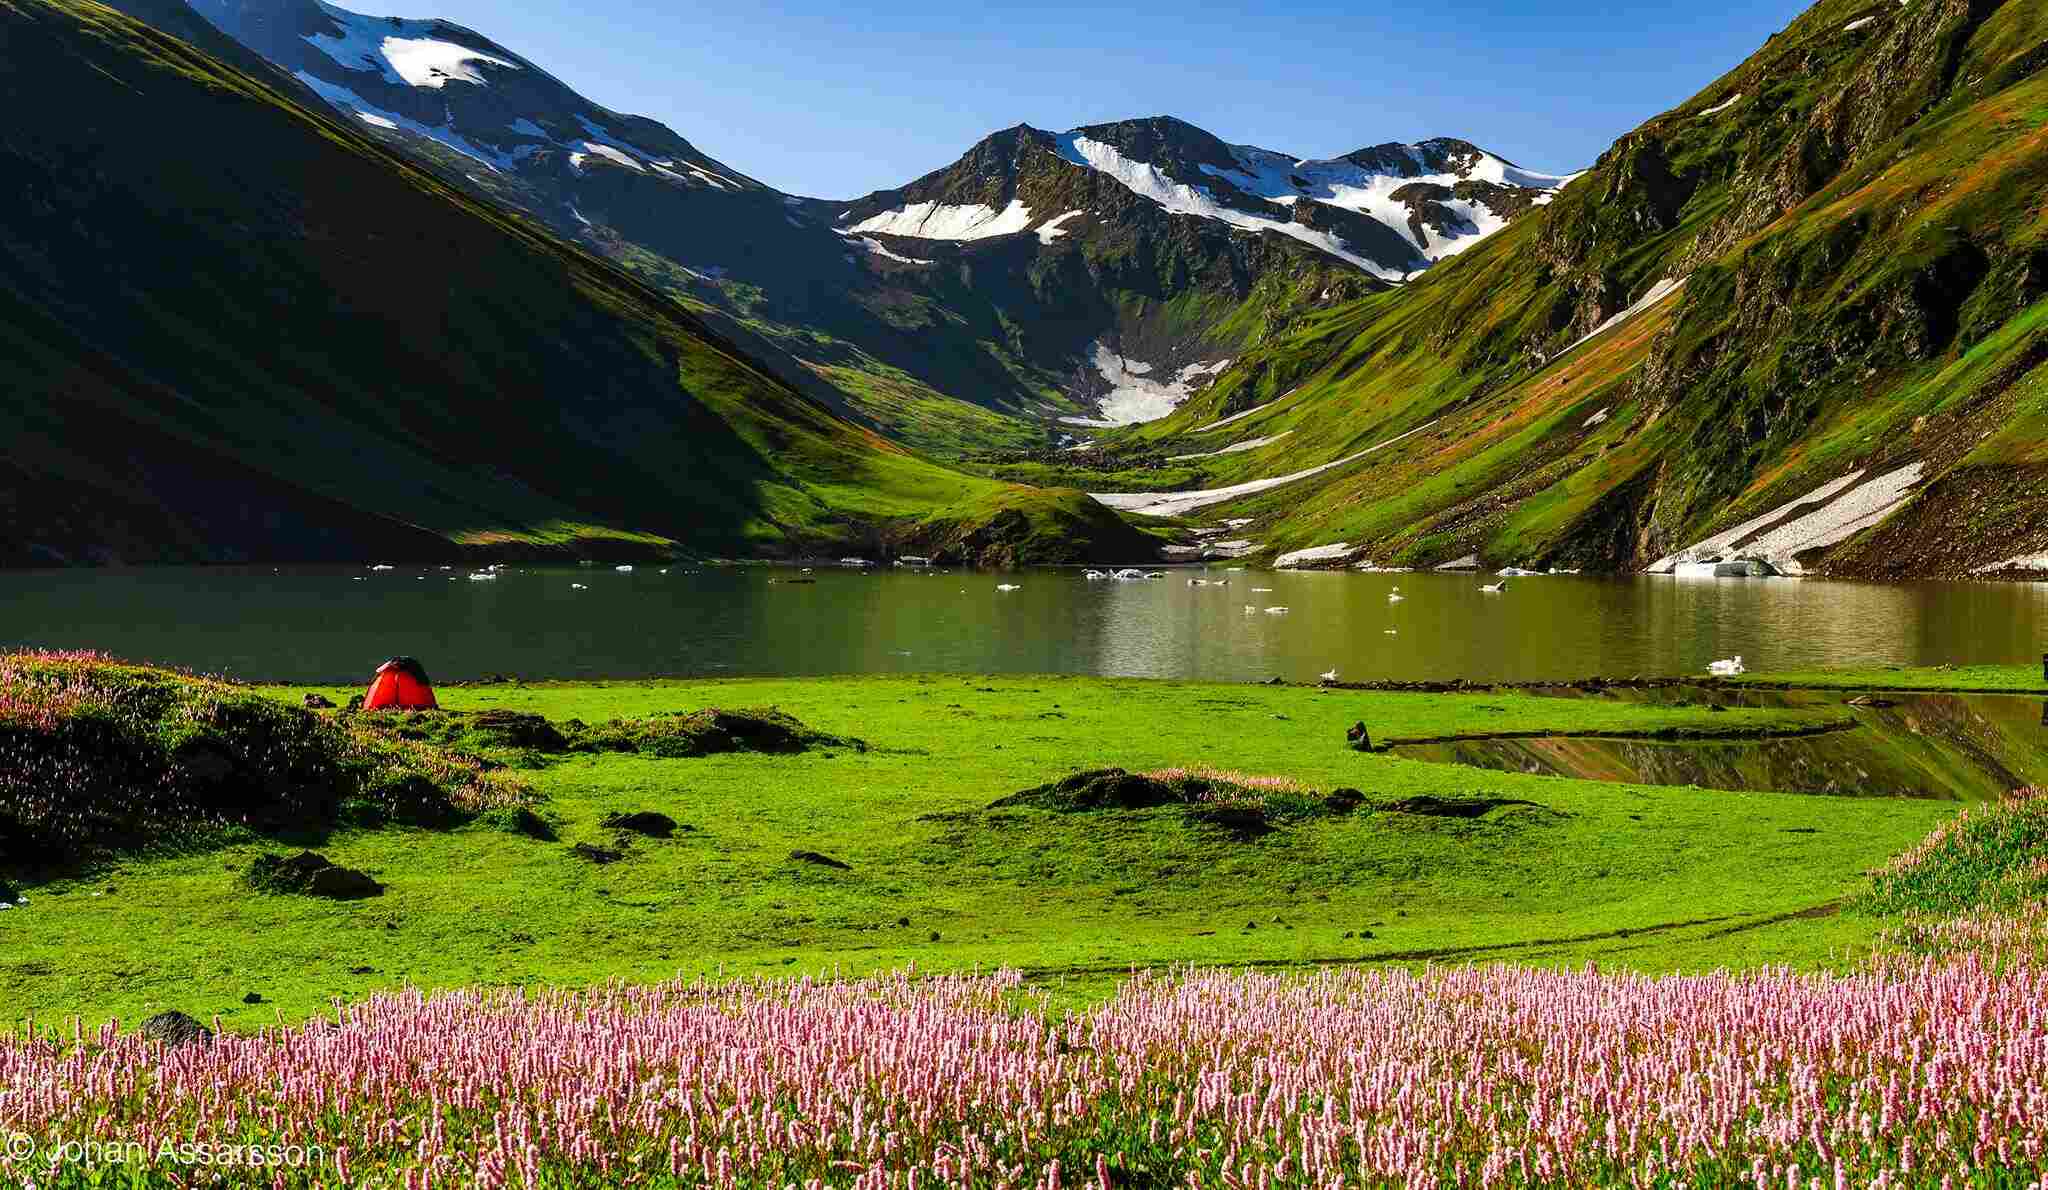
[1359,738]
[176,1029]
[318,702]
[642,822]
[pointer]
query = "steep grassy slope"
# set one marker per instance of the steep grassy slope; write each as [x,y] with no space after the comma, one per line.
[231,327]
[1854,214]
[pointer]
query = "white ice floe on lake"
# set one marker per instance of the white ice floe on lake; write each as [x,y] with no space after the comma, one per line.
[1824,517]
[1054,227]
[1181,503]
[939,221]
[1234,448]
[1317,553]
[1727,103]
[1134,396]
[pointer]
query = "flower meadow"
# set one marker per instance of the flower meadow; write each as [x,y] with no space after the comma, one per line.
[1915,1073]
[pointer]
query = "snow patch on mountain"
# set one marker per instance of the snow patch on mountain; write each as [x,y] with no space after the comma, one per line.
[1051,229]
[940,221]
[1348,186]
[1148,182]
[608,153]
[1135,397]
[348,100]
[1234,448]
[400,51]
[1182,503]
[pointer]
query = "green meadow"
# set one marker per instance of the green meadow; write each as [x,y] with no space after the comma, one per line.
[1559,872]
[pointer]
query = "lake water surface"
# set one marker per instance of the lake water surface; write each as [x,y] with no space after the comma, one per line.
[307,624]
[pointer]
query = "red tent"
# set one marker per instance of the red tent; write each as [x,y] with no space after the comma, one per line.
[401,684]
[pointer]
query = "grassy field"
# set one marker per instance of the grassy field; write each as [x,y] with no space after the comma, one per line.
[1640,877]
[1987,679]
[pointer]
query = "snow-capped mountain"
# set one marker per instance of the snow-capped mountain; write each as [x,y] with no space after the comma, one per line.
[440,83]
[1034,284]
[1391,210]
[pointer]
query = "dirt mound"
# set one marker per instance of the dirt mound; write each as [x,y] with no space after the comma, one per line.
[517,729]
[644,822]
[1429,805]
[1098,789]
[175,1029]
[310,874]
[708,732]
[823,861]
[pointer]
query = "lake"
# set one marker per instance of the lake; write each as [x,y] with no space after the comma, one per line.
[326,623]
[329,624]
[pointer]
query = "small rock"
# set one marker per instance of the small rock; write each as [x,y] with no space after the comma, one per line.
[823,861]
[318,702]
[1716,708]
[934,936]
[362,970]
[642,822]
[1365,934]
[595,854]
[902,921]
[1251,925]
[176,1029]
[253,998]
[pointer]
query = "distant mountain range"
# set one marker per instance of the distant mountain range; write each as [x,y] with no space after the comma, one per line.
[410,293]
[279,340]
[974,308]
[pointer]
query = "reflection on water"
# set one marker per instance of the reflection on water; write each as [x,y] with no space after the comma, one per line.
[308,624]
[1947,746]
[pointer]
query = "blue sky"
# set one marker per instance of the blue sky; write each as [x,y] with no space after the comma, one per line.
[835,99]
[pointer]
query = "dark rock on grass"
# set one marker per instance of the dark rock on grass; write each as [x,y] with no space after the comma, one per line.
[1359,738]
[1098,789]
[1242,823]
[518,729]
[823,861]
[253,998]
[176,1029]
[318,702]
[310,874]
[1429,805]
[643,822]
[517,820]
[596,854]
[1343,801]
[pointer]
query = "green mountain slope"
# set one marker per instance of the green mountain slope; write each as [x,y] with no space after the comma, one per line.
[232,328]
[1838,248]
